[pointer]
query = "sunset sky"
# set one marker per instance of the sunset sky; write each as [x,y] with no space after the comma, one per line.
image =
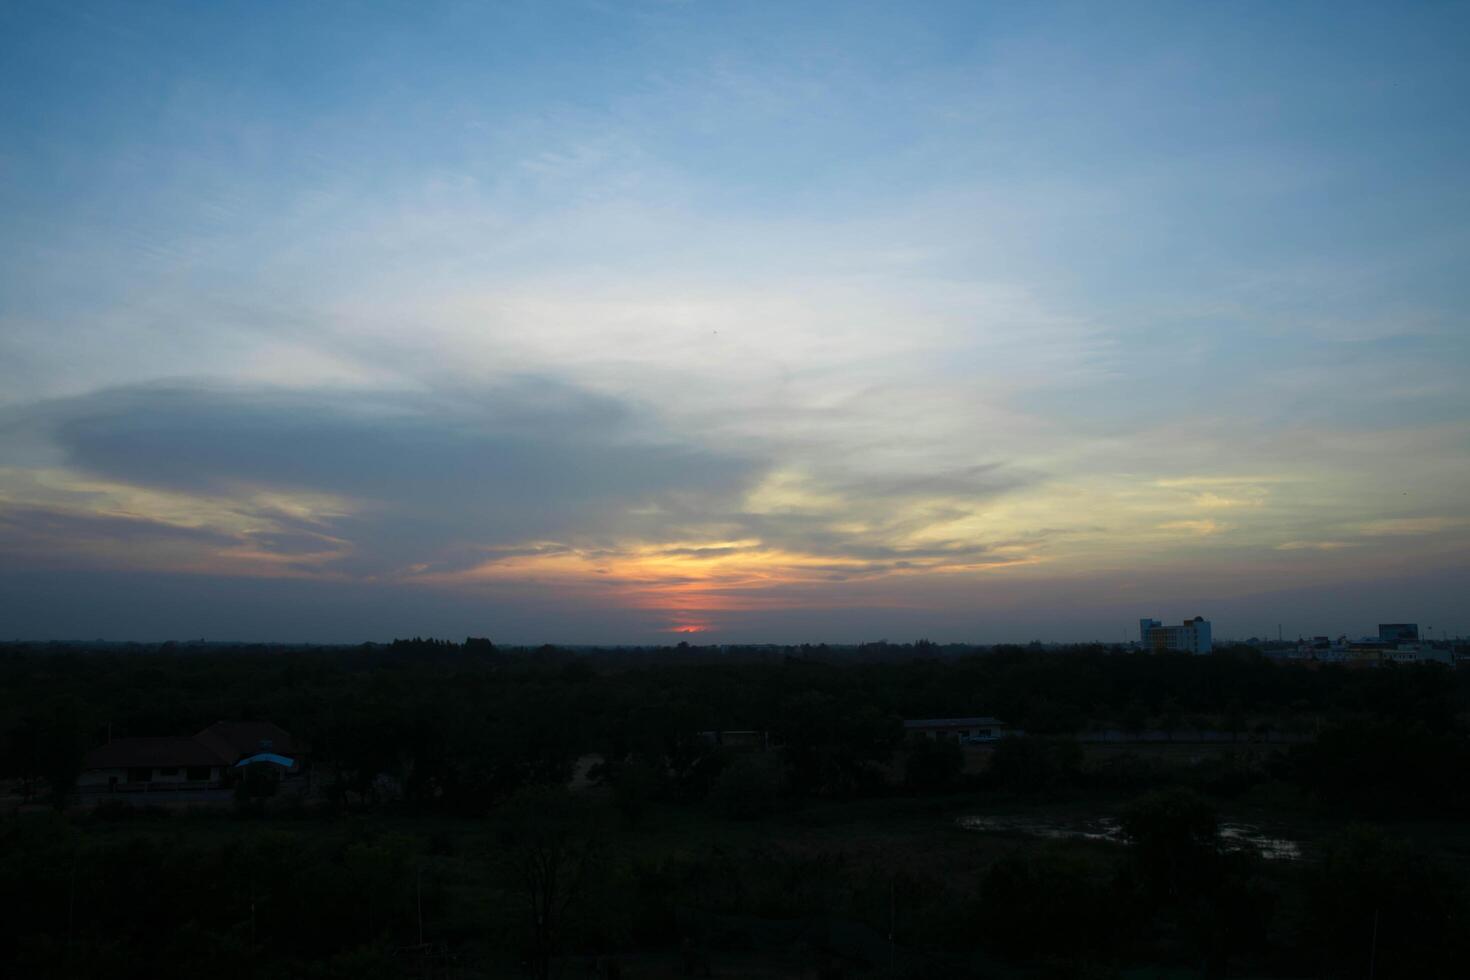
[596,322]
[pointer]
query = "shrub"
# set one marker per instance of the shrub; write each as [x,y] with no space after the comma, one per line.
[748,788]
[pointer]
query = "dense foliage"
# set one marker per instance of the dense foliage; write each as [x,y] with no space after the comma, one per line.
[441,770]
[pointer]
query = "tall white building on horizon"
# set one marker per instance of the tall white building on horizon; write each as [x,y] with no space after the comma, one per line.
[1191,636]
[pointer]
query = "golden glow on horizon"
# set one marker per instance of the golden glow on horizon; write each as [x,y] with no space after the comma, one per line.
[817,547]
[724,576]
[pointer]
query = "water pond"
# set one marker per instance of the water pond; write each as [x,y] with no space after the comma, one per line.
[1233,836]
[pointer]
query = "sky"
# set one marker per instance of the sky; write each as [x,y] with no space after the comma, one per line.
[627,322]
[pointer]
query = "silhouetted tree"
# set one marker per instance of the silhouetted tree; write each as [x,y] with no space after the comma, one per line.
[551,841]
[932,764]
[1374,906]
[1028,764]
[1174,833]
[1045,903]
[751,786]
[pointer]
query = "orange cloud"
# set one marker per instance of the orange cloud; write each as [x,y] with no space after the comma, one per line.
[694,578]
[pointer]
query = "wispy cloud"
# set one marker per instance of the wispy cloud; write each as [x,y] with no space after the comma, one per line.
[1314,545]
[1411,526]
[1204,528]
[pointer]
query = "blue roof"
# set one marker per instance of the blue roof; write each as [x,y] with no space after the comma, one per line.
[279,760]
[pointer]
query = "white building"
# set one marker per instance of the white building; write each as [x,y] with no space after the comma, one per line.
[1418,653]
[1192,636]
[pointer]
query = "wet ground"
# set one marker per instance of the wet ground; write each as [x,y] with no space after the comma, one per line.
[1237,836]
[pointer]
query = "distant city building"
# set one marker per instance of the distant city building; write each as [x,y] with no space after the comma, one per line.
[1191,636]
[1396,633]
[1418,654]
[1395,643]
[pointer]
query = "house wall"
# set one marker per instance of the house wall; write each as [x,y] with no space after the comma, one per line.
[959,731]
[173,774]
[100,778]
[95,779]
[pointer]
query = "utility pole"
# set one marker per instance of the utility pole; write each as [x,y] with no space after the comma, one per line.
[1373,949]
[892,918]
[893,954]
[71,909]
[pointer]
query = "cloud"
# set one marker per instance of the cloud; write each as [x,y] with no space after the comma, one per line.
[39,531]
[903,305]
[1314,545]
[1203,528]
[1216,501]
[528,480]
[434,480]
[1407,526]
[970,482]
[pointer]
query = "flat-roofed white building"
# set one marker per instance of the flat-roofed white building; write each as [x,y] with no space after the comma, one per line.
[1191,636]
